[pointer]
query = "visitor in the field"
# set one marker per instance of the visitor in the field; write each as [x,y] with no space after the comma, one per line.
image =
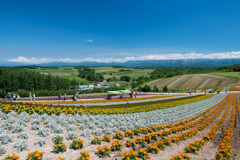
[14,97]
[18,97]
[34,96]
[59,96]
[9,96]
[65,97]
[30,96]
[77,94]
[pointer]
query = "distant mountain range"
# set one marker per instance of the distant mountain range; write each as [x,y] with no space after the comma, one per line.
[141,63]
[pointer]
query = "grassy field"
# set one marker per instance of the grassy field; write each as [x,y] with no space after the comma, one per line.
[195,81]
[227,74]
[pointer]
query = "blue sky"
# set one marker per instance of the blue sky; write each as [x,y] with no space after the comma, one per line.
[103,29]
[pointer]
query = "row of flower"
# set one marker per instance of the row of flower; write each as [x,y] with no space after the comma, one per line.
[225,150]
[238,108]
[160,145]
[59,146]
[41,109]
[104,101]
[194,147]
[149,137]
[37,155]
[194,131]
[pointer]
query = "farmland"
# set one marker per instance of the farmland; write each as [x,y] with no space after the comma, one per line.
[166,127]
[108,72]
[227,74]
[195,81]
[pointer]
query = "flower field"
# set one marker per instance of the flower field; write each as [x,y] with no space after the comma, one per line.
[192,127]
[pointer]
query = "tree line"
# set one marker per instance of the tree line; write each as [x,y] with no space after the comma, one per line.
[232,68]
[13,79]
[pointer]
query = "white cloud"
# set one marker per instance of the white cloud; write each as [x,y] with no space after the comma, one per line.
[192,55]
[89,40]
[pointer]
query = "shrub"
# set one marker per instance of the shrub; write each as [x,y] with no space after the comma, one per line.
[84,156]
[160,145]
[147,138]
[136,132]
[43,132]
[20,146]
[60,158]
[103,151]
[77,144]
[132,144]
[106,138]
[140,142]
[13,157]
[118,135]
[143,154]
[96,140]
[23,135]
[2,150]
[152,149]
[167,141]
[181,156]
[71,135]
[60,147]
[57,139]
[35,155]
[41,142]
[116,145]
[130,155]
[129,133]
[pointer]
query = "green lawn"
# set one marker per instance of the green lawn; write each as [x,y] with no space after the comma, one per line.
[226,74]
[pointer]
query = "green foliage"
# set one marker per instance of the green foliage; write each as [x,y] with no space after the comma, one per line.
[146,88]
[13,79]
[155,89]
[125,78]
[77,144]
[231,68]
[60,147]
[89,74]
[57,139]
[165,89]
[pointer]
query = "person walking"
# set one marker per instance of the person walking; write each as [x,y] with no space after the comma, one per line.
[14,97]
[18,97]
[77,94]
[30,96]
[64,96]
[34,96]
[59,97]
[9,96]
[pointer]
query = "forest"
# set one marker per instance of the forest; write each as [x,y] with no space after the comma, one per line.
[13,79]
